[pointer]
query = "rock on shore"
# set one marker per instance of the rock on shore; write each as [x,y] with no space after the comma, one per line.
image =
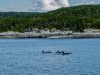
[55,34]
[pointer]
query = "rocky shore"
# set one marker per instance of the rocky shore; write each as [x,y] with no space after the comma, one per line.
[56,34]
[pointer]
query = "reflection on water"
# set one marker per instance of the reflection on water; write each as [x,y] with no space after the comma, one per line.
[25,57]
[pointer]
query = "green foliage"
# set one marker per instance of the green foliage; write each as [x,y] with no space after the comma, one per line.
[76,18]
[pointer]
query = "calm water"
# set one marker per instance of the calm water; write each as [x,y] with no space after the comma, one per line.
[24,57]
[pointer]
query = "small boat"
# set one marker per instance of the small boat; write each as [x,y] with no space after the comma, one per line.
[46,52]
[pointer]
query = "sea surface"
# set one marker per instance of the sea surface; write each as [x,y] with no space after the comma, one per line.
[25,57]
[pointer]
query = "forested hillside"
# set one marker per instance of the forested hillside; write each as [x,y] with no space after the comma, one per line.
[76,18]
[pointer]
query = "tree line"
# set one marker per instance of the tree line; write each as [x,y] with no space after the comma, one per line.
[75,18]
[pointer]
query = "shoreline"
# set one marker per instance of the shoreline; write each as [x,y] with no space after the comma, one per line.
[56,34]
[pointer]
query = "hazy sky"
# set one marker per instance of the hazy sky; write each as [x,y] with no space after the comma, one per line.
[40,5]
